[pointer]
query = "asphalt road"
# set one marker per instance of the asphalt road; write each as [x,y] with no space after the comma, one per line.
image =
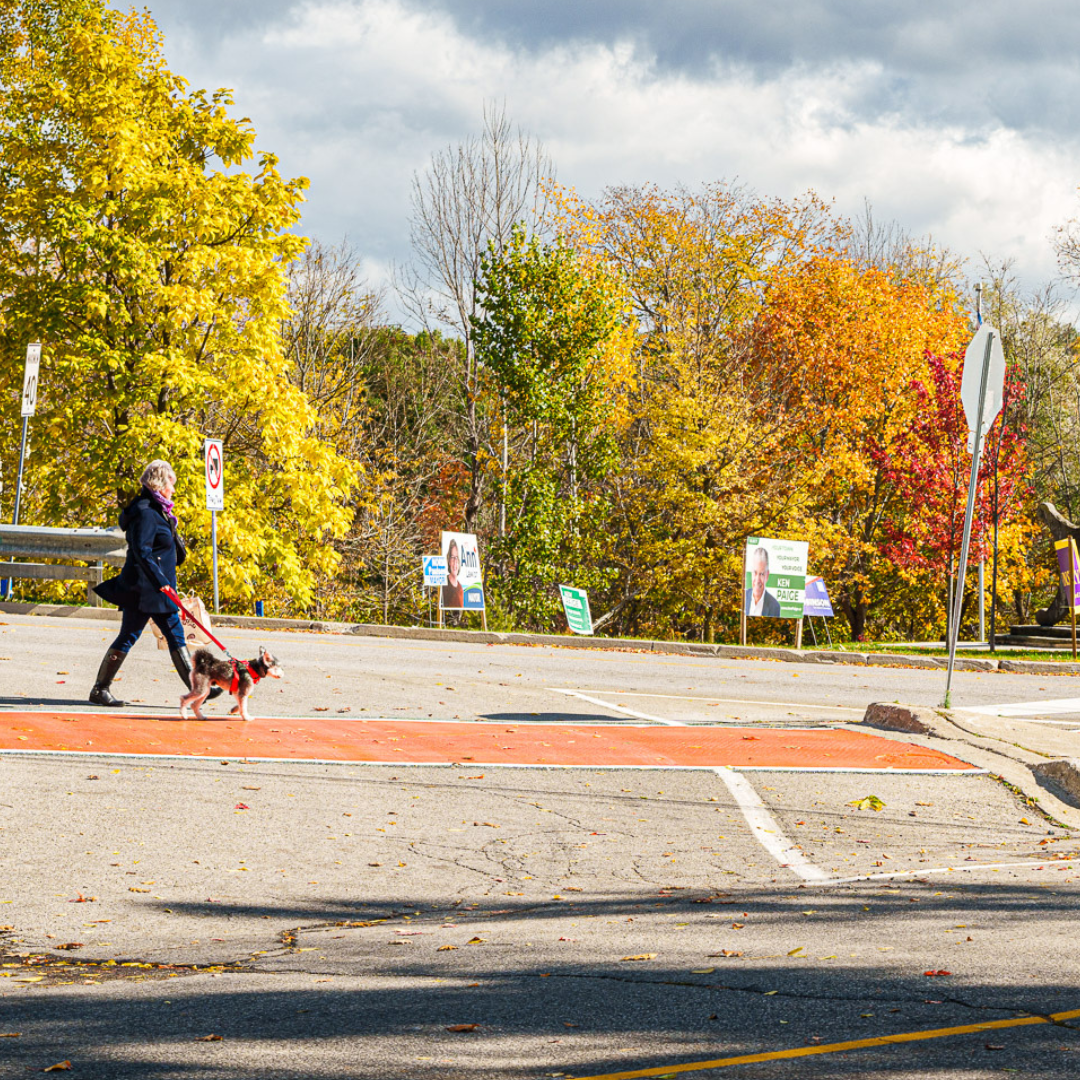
[340,920]
[51,662]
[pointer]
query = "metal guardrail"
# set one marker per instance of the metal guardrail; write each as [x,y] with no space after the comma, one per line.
[101,547]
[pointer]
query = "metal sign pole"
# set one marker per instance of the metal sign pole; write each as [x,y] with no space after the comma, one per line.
[954,627]
[9,583]
[982,601]
[29,405]
[213,544]
[22,461]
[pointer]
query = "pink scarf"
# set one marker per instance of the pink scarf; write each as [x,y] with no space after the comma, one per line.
[165,504]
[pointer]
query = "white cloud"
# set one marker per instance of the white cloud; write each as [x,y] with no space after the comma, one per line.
[357,94]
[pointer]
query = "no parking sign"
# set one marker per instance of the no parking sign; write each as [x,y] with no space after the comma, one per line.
[215,474]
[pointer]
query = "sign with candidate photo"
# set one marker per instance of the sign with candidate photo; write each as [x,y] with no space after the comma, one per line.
[775,577]
[464,586]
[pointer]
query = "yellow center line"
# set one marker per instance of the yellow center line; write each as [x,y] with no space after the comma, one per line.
[835,1048]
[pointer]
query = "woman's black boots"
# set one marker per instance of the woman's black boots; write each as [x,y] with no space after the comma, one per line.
[100,695]
[181,659]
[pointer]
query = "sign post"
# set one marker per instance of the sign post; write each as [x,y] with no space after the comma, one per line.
[575,604]
[214,465]
[981,391]
[434,567]
[29,404]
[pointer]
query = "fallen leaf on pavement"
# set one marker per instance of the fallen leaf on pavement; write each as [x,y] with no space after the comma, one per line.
[725,952]
[475,941]
[867,802]
[71,945]
[932,973]
[463,1027]
[60,1066]
[795,952]
[209,1038]
[10,1034]
[241,806]
[444,948]
[641,956]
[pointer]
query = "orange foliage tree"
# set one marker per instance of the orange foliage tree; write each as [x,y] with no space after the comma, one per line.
[840,346]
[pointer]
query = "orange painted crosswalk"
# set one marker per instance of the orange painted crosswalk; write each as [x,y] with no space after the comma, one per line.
[441,742]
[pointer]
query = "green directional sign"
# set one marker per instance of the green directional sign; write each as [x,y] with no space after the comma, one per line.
[575,603]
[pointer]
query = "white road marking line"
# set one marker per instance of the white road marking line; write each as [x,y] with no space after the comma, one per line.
[1031,863]
[619,708]
[765,828]
[1073,724]
[718,700]
[1018,708]
[889,770]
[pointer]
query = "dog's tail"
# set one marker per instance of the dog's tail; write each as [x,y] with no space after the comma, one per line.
[201,660]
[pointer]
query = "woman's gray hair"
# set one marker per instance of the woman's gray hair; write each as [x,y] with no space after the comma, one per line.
[157,474]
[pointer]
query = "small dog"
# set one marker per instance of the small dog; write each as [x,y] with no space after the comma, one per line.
[237,677]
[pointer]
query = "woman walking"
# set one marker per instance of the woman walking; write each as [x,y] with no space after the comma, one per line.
[154,551]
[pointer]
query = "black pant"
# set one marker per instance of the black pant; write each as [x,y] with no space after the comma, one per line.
[134,623]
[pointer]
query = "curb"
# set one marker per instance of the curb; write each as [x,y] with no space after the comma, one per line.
[1052,784]
[574,641]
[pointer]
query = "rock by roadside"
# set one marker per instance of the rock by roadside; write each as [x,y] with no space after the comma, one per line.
[1053,784]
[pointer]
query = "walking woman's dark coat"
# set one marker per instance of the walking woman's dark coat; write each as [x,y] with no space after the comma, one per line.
[151,560]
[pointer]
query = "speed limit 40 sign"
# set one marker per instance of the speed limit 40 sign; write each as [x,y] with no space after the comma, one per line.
[215,475]
[30,378]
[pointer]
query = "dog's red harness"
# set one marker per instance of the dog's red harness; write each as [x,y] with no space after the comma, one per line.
[235,684]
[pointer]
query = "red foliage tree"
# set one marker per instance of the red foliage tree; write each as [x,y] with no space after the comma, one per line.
[928,468]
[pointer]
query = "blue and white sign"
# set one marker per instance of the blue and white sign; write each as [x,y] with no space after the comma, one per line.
[434,571]
[817,598]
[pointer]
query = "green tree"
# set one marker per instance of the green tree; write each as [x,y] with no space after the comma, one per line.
[137,247]
[549,339]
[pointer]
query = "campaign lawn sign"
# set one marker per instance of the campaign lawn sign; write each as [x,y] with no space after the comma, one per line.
[817,598]
[785,587]
[468,573]
[1070,572]
[575,603]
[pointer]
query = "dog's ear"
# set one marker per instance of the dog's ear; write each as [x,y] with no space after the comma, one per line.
[262,652]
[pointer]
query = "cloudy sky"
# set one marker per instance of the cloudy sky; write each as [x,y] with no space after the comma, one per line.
[957,119]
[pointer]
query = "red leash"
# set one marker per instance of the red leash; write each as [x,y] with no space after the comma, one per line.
[171,594]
